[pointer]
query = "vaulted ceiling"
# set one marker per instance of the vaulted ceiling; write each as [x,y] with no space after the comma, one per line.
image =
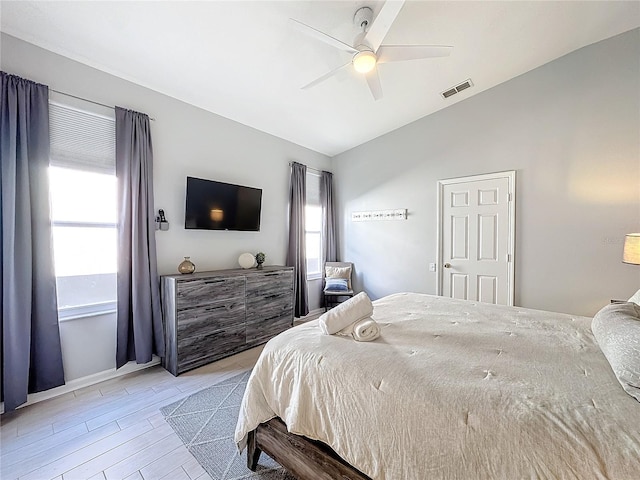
[244,61]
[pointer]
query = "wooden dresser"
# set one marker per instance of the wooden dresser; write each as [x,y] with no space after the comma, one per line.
[211,315]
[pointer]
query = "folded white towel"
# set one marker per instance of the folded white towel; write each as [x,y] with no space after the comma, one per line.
[366,330]
[345,314]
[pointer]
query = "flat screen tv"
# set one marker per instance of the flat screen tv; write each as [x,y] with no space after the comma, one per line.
[222,206]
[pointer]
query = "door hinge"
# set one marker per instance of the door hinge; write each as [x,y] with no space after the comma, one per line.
[508,258]
[511,197]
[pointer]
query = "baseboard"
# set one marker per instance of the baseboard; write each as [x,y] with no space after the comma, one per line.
[87,381]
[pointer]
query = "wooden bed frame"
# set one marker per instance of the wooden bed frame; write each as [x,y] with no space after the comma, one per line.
[305,459]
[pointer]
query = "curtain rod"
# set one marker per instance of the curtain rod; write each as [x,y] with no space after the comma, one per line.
[308,168]
[90,101]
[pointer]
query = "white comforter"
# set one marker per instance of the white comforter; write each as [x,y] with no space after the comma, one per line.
[455,390]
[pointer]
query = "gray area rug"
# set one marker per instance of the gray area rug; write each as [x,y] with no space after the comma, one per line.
[206,422]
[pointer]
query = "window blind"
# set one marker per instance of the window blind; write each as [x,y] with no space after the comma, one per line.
[81,140]
[313,188]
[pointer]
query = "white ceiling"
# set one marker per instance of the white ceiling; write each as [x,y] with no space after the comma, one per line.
[242,60]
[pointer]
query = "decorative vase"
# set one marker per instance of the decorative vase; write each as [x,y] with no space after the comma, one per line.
[260,258]
[246,260]
[187,266]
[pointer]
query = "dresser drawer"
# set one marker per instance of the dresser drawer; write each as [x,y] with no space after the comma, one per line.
[269,283]
[262,330]
[202,349]
[210,318]
[268,305]
[199,291]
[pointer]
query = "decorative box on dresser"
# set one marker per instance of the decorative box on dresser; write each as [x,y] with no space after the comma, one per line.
[211,315]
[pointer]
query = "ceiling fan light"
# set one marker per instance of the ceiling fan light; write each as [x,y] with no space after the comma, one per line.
[364,62]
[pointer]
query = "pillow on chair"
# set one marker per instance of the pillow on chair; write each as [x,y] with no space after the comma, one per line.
[336,285]
[338,272]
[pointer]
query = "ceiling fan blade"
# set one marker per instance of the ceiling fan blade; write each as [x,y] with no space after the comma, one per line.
[373,80]
[382,23]
[402,53]
[325,76]
[323,37]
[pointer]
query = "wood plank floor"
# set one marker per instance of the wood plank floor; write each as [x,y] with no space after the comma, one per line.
[111,430]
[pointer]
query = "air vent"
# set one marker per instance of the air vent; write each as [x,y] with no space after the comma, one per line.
[448,93]
[457,89]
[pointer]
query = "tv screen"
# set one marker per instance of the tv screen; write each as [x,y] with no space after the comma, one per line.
[222,206]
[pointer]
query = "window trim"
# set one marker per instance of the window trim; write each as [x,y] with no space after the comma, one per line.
[85,311]
[314,276]
[78,224]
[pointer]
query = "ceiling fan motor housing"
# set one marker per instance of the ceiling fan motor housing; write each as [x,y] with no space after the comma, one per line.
[363,18]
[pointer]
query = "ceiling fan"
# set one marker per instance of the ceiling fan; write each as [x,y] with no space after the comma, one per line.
[367,49]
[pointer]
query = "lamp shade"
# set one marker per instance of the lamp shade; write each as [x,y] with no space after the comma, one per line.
[631,252]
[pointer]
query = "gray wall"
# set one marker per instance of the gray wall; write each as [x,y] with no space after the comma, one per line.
[187,141]
[570,129]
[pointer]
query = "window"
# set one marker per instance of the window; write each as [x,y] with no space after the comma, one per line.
[313,226]
[83,210]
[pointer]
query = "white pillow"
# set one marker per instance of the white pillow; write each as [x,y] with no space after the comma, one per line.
[617,330]
[339,272]
[635,298]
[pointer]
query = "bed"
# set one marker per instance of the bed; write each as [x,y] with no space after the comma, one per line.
[452,389]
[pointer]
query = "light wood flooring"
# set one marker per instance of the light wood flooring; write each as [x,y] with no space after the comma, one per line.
[111,430]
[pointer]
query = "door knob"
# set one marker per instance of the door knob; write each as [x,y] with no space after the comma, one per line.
[447,265]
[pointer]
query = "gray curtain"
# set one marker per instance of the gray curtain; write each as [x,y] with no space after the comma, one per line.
[31,353]
[139,323]
[329,232]
[296,254]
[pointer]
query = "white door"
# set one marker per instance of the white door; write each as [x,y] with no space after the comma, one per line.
[476,237]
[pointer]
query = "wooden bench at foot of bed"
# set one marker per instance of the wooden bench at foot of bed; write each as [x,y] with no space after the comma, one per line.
[305,459]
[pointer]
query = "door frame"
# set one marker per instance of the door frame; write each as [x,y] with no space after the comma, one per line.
[511,176]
